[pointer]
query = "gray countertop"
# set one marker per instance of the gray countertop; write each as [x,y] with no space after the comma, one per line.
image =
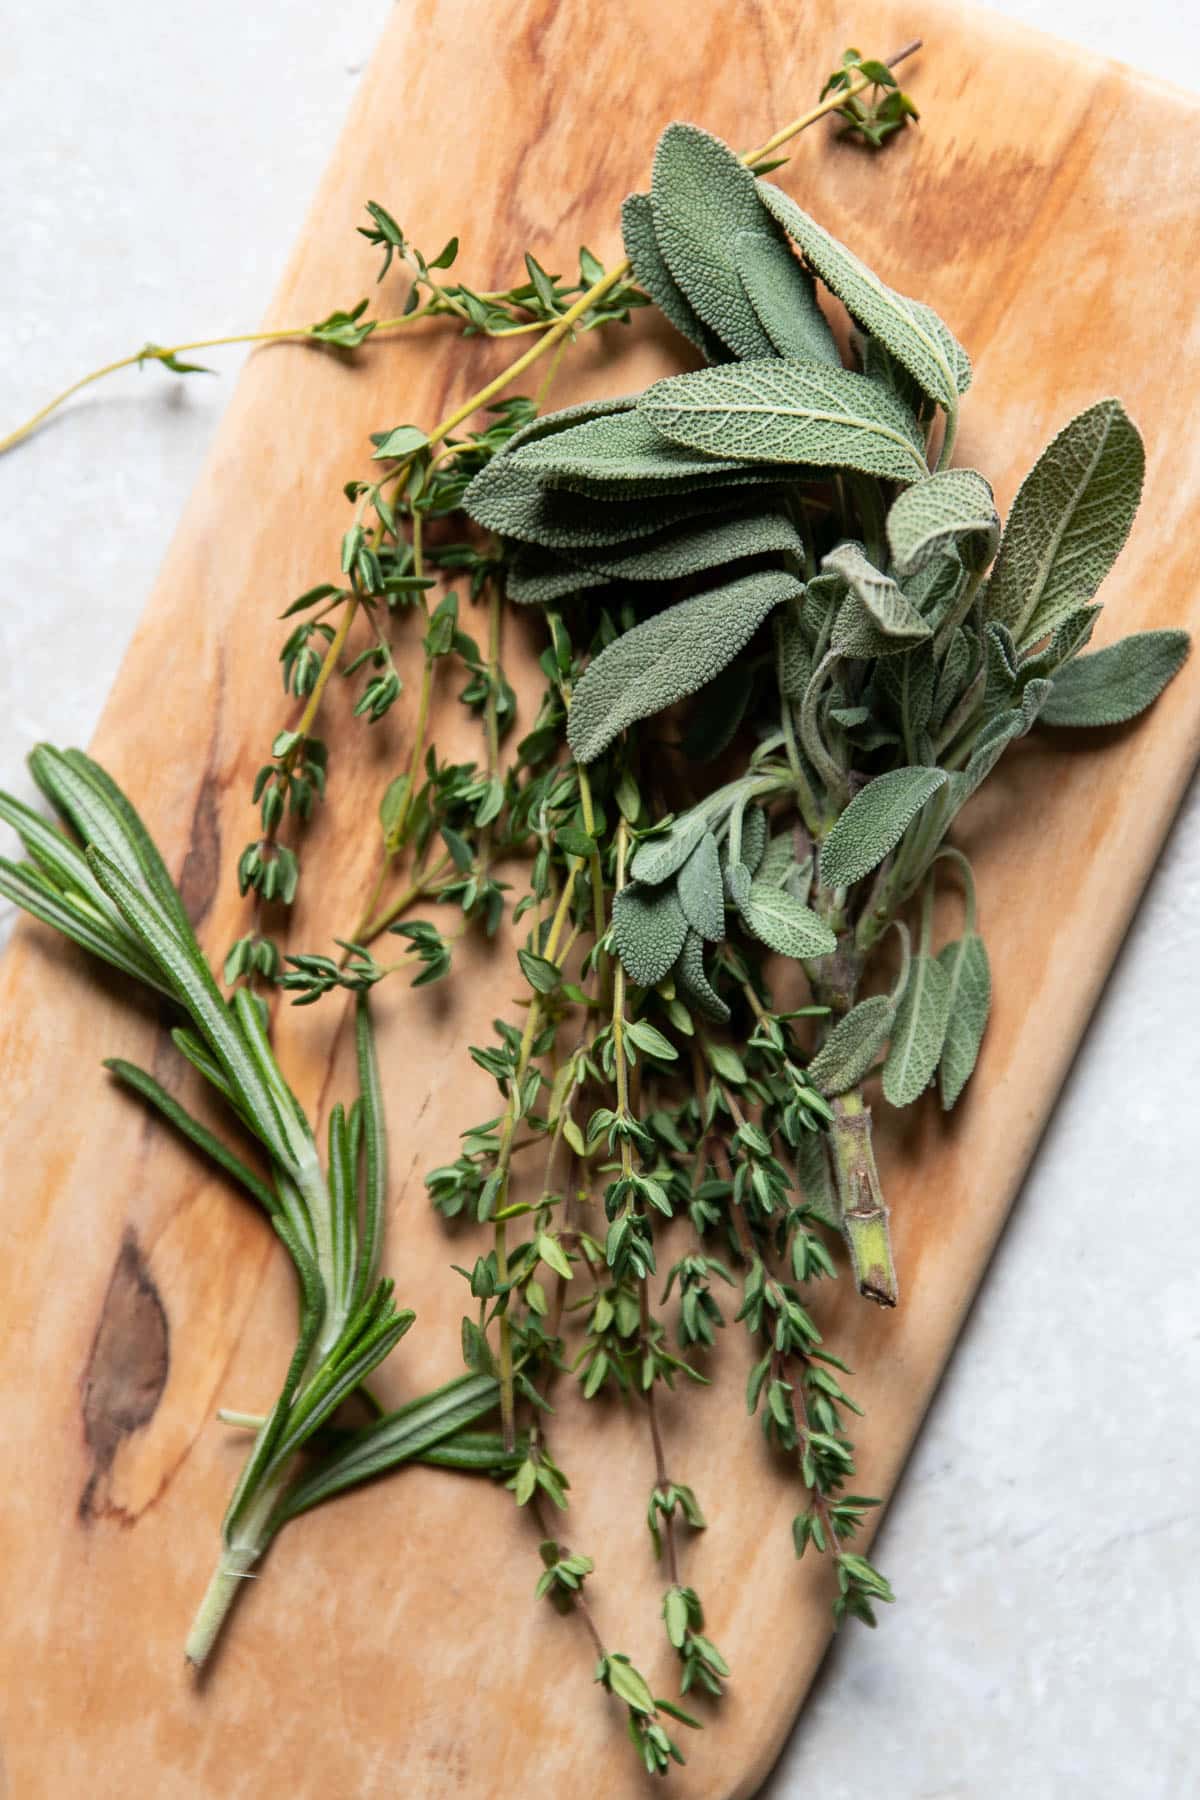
[1044,1643]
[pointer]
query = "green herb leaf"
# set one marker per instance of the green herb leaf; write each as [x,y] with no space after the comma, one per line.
[785,924]
[618,455]
[954,509]
[701,198]
[651,272]
[701,890]
[875,821]
[784,297]
[1116,683]
[693,983]
[776,412]
[648,929]
[889,610]
[919,1031]
[912,332]
[1068,522]
[668,657]
[969,998]
[853,1045]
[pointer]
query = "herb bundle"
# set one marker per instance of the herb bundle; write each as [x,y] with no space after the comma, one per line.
[785,643]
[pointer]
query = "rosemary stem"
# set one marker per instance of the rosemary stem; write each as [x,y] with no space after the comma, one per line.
[253,1534]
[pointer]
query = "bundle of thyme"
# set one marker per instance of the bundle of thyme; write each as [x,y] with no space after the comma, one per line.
[785,642]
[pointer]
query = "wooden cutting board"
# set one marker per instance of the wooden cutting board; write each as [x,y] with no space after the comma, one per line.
[1047,207]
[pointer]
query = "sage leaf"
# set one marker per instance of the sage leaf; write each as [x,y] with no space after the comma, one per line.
[779,858]
[779,412]
[690,549]
[954,509]
[1117,683]
[911,331]
[889,609]
[1066,641]
[737,884]
[752,833]
[952,678]
[607,456]
[648,929]
[693,983]
[785,924]
[701,198]
[551,423]
[875,821]
[668,657]
[512,500]
[907,683]
[793,654]
[538,577]
[969,982]
[852,1046]
[784,297]
[658,858]
[1068,522]
[919,1031]
[651,273]
[701,890]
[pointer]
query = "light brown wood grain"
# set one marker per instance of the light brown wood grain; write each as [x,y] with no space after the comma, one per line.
[392,1643]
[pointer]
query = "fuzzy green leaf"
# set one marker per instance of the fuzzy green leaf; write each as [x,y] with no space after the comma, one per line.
[776,412]
[919,1031]
[668,657]
[1118,682]
[889,610]
[784,297]
[515,502]
[969,983]
[691,548]
[785,924]
[648,929]
[702,197]
[852,1046]
[693,984]
[1068,522]
[701,890]
[658,858]
[651,273]
[875,821]
[912,332]
[954,509]
[610,456]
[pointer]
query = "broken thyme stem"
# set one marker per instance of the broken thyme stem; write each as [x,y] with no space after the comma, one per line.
[864,1214]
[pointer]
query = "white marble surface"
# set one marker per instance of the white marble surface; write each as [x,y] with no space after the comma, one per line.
[1041,1542]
